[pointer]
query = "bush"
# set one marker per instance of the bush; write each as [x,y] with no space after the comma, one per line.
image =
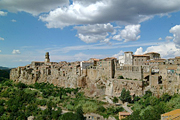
[21,85]
[2,110]
[121,77]
[115,99]
[101,109]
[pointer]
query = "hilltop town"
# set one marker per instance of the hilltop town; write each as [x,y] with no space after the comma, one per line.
[108,76]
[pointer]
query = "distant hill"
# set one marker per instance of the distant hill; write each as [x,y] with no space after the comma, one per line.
[4,68]
[4,72]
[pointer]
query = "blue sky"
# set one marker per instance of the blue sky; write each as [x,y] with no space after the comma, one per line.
[78,29]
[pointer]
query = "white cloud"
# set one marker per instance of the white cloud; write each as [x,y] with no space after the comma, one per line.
[16,52]
[105,11]
[118,54]
[117,37]
[104,32]
[167,50]
[1,38]
[176,33]
[130,33]
[34,7]
[139,51]
[77,57]
[13,20]
[94,33]
[169,38]
[2,13]
[160,38]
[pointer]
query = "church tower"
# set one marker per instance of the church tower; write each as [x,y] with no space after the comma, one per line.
[47,57]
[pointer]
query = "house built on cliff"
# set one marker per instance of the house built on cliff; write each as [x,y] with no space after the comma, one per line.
[140,73]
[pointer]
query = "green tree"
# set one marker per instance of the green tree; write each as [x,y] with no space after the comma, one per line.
[125,96]
[165,97]
[115,99]
[79,113]
[68,116]
[56,114]
[128,96]
[2,110]
[134,116]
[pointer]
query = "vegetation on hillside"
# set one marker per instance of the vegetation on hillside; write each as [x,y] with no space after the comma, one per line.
[150,107]
[4,73]
[46,101]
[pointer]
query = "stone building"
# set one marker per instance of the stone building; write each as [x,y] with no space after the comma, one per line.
[140,59]
[177,60]
[153,55]
[128,58]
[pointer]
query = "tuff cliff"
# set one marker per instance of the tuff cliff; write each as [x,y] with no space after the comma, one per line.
[66,74]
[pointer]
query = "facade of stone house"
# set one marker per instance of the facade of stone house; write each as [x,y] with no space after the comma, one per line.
[140,59]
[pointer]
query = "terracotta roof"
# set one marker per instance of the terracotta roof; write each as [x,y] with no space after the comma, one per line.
[111,58]
[141,55]
[172,113]
[86,61]
[124,113]
[157,60]
[171,58]
[96,59]
[21,67]
[177,57]
[172,67]
[151,53]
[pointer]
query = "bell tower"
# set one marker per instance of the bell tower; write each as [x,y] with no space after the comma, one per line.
[47,57]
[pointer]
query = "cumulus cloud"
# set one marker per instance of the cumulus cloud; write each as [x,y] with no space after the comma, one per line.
[105,11]
[169,38]
[105,32]
[1,38]
[16,52]
[13,20]
[34,7]
[139,51]
[130,33]
[2,13]
[118,54]
[167,50]
[94,33]
[82,56]
[176,33]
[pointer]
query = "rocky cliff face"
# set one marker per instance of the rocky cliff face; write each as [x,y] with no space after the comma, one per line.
[70,75]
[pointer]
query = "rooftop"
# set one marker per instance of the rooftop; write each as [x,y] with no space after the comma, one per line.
[141,55]
[151,53]
[172,113]
[124,113]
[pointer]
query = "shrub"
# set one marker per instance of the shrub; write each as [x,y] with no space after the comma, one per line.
[115,99]
[121,77]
